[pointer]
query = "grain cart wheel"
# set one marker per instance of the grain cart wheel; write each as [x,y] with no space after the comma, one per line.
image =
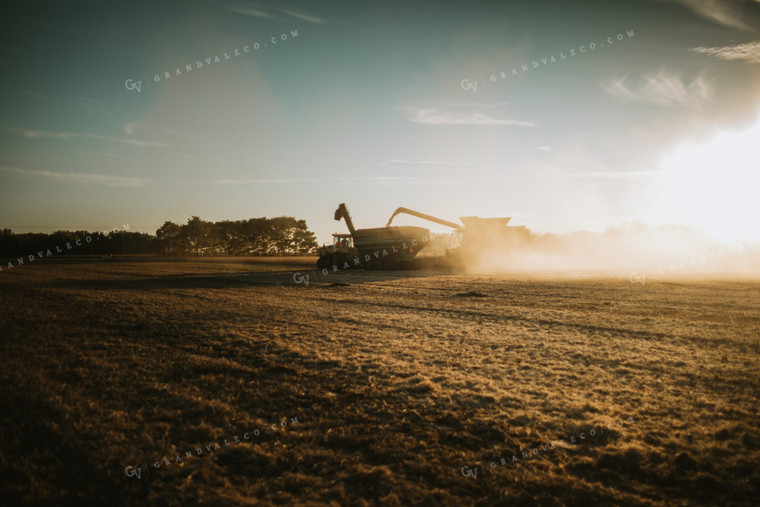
[391,265]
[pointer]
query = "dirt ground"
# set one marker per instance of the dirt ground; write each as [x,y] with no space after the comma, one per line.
[162,381]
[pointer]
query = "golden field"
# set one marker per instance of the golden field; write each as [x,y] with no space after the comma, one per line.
[365,388]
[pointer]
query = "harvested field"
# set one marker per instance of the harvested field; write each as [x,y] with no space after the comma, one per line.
[222,381]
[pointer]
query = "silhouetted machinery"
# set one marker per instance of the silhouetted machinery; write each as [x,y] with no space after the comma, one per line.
[378,248]
[477,236]
[393,247]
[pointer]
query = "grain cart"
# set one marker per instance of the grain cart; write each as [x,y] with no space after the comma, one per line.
[378,248]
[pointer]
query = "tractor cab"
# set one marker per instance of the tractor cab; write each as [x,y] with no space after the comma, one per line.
[338,252]
[343,241]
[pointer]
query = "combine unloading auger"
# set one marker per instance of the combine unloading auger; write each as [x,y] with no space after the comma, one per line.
[423,216]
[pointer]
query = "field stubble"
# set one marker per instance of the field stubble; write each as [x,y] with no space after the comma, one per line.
[398,380]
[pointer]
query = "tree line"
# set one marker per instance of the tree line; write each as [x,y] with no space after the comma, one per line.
[255,236]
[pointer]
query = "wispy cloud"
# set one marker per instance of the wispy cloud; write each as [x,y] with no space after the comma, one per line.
[80,178]
[130,127]
[248,181]
[408,179]
[357,179]
[749,52]
[434,162]
[303,16]
[465,113]
[609,174]
[248,8]
[101,154]
[73,135]
[730,13]
[661,89]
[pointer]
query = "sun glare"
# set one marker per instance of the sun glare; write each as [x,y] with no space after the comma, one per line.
[715,185]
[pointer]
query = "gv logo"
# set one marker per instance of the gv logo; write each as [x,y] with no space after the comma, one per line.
[467,472]
[131,85]
[299,278]
[635,278]
[467,85]
[132,472]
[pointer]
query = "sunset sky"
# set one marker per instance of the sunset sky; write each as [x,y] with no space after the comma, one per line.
[373,104]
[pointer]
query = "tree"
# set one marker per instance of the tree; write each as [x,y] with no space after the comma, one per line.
[170,239]
[255,236]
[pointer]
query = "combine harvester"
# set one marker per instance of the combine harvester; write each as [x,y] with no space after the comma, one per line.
[476,238]
[393,247]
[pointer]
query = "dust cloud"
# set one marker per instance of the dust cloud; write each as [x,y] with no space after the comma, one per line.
[635,251]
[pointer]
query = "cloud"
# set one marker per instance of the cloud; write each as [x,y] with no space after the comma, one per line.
[730,13]
[74,135]
[80,178]
[101,154]
[303,16]
[749,52]
[661,89]
[465,113]
[433,162]
[408,179]
[610,175]
[355,179]
[246,8]
[131,126]
[262,181]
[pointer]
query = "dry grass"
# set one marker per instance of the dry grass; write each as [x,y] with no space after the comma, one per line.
[397,380]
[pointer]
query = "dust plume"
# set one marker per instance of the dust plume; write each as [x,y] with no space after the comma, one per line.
[636,250]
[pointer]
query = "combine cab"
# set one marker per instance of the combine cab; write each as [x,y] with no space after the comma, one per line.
[378,248]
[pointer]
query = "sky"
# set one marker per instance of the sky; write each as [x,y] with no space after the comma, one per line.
[565,116]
